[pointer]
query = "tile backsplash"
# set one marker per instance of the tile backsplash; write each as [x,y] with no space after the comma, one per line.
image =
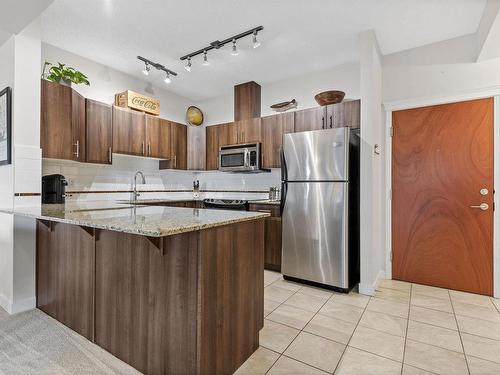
[91,181]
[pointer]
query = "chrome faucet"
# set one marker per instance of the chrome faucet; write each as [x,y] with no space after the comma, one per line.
[135,194]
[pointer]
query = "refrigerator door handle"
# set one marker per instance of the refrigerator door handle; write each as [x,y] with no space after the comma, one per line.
[284,176]
[284,188]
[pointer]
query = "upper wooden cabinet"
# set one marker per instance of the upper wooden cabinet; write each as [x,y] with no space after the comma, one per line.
[158,137]
[216,136]
[62,122]
[272,130]
[332,116]
[99,138]
[178,145]
[248,131]
[310,119]
[129,132]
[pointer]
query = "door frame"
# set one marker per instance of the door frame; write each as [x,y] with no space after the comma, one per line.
[408,104]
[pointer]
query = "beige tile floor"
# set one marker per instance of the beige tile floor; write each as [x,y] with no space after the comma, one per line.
[405,329]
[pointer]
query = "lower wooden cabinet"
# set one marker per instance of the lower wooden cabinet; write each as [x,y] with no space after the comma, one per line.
[272,235]
[65,275]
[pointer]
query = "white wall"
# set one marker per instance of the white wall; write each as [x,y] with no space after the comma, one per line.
[106,82]
[438,70]
[302,88]
[372,209]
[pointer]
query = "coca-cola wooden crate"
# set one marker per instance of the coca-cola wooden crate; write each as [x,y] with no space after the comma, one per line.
[139,102]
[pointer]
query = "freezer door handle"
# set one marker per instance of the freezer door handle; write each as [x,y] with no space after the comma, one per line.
[284,188]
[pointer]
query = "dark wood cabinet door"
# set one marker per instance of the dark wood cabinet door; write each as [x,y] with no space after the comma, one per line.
[179,145]
[65,275]
[346,114]
[129,132]
[248,131]
[310,119]
[158,138]
[352,114]
[78,126]
[272,130]
[218,135]
[272,235]
[99,132]
[56,136]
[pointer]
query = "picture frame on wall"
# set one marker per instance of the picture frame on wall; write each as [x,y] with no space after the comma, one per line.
[5,126]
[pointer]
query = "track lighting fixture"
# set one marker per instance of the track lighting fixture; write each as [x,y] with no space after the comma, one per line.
[146,70]
[218,44]
[188,65]
[157,66]
[256,43]
[234,51]
[167,79]
[205,60]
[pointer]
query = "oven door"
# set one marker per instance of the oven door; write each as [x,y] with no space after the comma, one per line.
[233,159]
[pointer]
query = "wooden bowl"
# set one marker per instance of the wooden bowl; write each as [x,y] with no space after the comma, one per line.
[329,97]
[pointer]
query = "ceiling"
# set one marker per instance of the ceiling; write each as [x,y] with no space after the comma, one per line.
[17,14]
[298,37]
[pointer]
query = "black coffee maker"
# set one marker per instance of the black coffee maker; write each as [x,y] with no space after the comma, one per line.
[53,188]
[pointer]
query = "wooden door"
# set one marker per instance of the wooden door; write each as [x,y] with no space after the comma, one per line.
[248,130]
[56,137]
[179,145]
[272,129]
[128,132]
[310,119]
[272,235]
[78,128]
[442,157]
[65,275]
[99,132]
[158,137]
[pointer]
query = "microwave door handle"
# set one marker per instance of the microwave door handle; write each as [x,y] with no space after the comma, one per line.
[247,158]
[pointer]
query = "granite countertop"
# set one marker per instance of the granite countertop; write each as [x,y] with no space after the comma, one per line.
[158,201]
[265,201]
[153,221]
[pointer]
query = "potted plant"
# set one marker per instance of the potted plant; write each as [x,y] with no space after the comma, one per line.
[64,75]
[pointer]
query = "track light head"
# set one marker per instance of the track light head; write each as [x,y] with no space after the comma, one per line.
[256,43]
[234,51]
[146,70]
[167,79]
[188,65]
[205,59]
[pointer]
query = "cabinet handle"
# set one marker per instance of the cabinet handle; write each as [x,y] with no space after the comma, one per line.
[109,154]
[143,151]
[77,153]
[266,211]
[175,161]
[322,122]
[149,149]
[331,122]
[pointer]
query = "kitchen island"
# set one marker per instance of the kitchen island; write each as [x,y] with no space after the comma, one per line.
[168,290]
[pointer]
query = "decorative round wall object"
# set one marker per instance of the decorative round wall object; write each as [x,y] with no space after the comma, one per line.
[194,116]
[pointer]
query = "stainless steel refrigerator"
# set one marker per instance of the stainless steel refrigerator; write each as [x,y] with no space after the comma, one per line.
[320,207]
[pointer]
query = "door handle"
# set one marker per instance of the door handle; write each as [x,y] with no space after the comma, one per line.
[331,122]
[77,153]
[482,206]
[322,123]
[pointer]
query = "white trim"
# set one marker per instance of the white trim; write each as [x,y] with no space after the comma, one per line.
[486,92]
[5,303]
[23,305]
[496,184]
[493,91]
[368,289]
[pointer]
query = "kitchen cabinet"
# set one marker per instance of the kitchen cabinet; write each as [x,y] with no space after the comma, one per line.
[218,135]
[99,137]
[178,144]
[272,235]
[343,114]
[65,275]
[272,130]
[247,131]
[129,132]
[158,137]
[62,122]
[310,119]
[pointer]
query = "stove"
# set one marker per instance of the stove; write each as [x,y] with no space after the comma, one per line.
[226,204]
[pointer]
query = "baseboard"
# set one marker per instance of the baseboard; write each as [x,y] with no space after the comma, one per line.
[369,289]
[23,305]
[5,303]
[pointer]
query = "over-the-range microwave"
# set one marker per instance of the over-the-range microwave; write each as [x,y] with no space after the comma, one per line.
[244,157]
